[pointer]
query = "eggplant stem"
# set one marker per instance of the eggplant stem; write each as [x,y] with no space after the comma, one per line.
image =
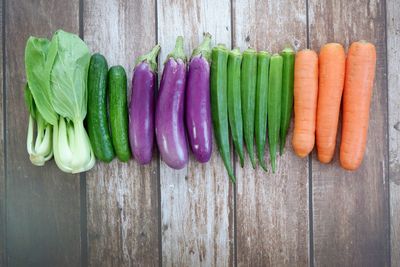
[150,58]
[178,52]
[204,49]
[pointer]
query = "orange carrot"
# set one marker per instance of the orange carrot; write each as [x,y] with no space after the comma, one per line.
[305,101]
[360,72]
[332,63]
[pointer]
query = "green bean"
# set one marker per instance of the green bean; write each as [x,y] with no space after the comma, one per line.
[263,58]
[248,88]
[234,101]
[288,56]
[274,105]
[219,104]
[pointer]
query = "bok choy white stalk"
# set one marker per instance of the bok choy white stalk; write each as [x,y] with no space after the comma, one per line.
[39,150]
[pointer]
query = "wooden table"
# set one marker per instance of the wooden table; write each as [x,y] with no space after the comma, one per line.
[307,214]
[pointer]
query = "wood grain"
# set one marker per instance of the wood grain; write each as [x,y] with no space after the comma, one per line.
[272,209]
[43,204]
[122,198]
[393,57]
[350,209]
[196,202]
[3,229]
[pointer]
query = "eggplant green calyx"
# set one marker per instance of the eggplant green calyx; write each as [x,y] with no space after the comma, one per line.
[204,49]
[150,58]
[178,52]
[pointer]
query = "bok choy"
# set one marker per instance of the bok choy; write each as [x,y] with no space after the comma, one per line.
[57,78]
[41,149]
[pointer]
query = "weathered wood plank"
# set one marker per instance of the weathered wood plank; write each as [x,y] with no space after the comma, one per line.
[393,57]
[2,159]
[272,209]
[197,202]
[43,204]
[350,209]
[122,198]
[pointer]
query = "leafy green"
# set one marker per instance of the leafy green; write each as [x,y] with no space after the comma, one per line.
[69,76]
[29,102]
[39,58]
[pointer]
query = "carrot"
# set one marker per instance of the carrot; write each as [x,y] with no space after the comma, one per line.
[332,62]
[360,72]
[305,101]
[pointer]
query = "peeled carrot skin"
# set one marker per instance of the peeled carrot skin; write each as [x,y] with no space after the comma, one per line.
[332,61]
[305,101]
[360,72]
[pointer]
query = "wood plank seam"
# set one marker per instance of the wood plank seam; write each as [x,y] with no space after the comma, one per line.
[309,159]
[160,246]
[3,214]
[82,176]
[387,180]
[393,78]
[234,159]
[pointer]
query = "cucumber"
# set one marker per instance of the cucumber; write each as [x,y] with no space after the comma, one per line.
[119,112]
[96,119]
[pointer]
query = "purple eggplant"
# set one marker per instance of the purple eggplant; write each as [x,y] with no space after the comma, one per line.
[141,107]
[198,112]
[170,128]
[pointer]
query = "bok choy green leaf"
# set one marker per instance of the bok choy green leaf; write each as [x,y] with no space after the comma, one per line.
[39,58]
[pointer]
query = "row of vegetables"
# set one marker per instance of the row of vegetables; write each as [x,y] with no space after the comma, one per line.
[247,96]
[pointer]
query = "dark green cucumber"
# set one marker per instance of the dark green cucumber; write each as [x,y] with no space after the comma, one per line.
[288,56]
[248,89]
[119,112]
[261,104]
[97,122]
[274,105]
[234,101]
[219,104]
